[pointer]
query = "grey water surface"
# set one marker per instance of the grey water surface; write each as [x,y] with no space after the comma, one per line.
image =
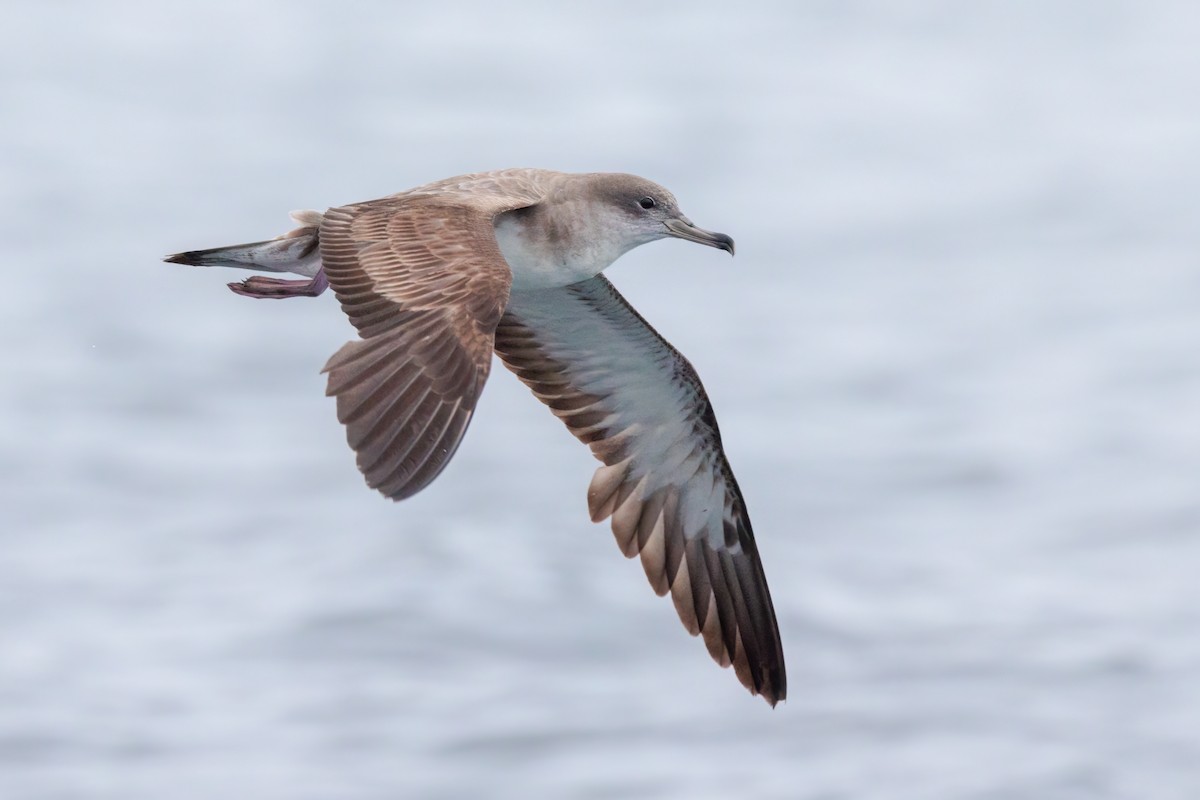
[956,363]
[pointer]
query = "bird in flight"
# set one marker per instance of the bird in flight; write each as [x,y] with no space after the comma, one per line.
[438,278]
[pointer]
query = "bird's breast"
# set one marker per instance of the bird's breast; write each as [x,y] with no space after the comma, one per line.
[541,258]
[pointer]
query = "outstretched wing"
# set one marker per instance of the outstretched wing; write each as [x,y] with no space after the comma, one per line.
[422,279]
[631,397]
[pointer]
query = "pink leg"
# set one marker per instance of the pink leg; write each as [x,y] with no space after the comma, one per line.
[280,289]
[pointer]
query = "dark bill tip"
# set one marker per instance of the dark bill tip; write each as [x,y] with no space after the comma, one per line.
[725,242]
[684,229]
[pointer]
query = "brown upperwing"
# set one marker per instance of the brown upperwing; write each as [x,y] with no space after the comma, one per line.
[423,281]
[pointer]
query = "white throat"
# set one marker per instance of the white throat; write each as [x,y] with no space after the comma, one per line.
[546,251]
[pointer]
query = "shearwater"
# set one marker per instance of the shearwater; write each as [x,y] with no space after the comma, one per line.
[438,278]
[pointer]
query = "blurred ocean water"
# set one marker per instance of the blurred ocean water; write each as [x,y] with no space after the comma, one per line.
[955,363]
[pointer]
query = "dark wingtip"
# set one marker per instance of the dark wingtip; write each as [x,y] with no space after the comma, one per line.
[774,691]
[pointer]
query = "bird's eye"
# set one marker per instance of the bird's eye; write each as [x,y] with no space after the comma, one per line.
[647,202]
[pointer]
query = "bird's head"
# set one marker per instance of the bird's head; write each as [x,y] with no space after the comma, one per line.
[645,211]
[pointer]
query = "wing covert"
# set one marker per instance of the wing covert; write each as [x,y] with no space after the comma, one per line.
[422,279]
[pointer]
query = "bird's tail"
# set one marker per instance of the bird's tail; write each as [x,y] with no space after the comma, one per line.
[296,251]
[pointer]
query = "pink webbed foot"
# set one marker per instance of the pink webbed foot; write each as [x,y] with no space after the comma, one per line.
[280,289]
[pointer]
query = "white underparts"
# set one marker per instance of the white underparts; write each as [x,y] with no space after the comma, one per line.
[542,262]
